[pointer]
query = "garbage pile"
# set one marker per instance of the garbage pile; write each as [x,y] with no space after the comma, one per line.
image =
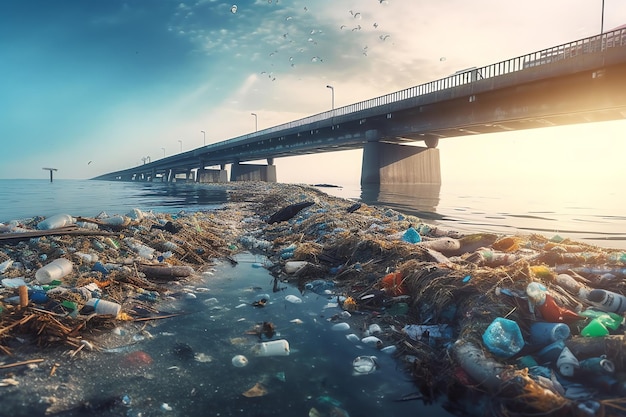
[489,324]
[495,325]
[65,278]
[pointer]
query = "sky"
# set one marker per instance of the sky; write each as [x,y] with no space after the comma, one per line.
[90,87]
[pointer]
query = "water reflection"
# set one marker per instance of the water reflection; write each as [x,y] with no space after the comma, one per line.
[420,200]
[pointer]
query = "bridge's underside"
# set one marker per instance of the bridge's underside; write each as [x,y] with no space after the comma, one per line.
[589,89]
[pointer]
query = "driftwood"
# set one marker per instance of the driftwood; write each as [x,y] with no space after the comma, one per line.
[165,272]
[288,212]
[67,230]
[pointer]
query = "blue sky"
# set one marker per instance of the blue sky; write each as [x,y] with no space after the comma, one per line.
[90,87]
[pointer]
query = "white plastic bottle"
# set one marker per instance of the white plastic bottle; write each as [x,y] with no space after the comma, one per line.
[607,301]
[56,221]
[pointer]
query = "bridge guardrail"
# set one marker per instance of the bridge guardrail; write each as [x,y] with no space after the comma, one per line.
[593,44]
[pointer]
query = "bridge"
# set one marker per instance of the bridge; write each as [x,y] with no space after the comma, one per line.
[577,82]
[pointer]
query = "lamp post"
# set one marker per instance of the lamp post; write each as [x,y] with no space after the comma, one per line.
[203,136]
[181,145]
[332,90]
[256,122]
[163,152]
[602,20]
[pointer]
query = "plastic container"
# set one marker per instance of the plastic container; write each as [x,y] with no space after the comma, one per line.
[274,348]
[543,334]
[599,365]
[567,362]
[104,307]
[536,293]
[551,352]
[595,328]
[503,338]
[53,271]
[56,221]
[411,236]
[291,267]
[239,361]
[607,301]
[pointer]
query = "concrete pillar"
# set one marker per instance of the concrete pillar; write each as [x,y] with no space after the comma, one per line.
[252,172]
[212,176]
[387,163]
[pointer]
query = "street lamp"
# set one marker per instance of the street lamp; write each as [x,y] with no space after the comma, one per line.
[256,122]
[602,21]
[332,90]
[203,137]
[163,152]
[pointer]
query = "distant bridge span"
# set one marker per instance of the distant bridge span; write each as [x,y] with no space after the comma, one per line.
[577,82]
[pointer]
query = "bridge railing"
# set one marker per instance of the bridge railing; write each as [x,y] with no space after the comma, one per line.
[594,44]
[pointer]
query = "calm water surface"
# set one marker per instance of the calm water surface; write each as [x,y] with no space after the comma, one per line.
[591,214]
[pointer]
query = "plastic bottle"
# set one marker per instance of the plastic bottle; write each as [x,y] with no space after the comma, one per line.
[571,285]
[536,293]
[104,306]
[56,221]
[607,301]
[274,348]
[543,334]
[53,271]
[567,362]
[599,365]
[503,338]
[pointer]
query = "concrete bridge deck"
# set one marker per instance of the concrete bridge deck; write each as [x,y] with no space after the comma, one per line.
[578,82]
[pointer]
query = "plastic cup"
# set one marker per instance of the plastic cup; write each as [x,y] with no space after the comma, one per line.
[55,270]
[274,348]
[543,334]
[104,306]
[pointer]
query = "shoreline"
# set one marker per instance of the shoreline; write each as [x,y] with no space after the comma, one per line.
[439,277]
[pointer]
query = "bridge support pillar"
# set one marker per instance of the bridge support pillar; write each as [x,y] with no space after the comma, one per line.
[252,172]
[387,163]
[212,175]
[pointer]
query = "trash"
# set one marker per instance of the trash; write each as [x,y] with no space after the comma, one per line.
[364,365]
[320,286]
[239,361]
[288,212]
[56,222]
[274,348]
[607,301]
[293,299]
[503,337]
[340,327]
[104,307]
[543,334]
[393,284]
[55,270]
[417,331]
[372,341]
[258,390]
[567,362]
[411,236]
[599,365]
[291,267]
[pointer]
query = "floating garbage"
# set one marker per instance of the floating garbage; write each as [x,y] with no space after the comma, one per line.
[364,365]
[274,348]
[239,361]
[293,299]
[340,327]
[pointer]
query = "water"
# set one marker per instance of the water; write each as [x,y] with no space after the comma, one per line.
[192,353]
[585,212]
[318,373]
